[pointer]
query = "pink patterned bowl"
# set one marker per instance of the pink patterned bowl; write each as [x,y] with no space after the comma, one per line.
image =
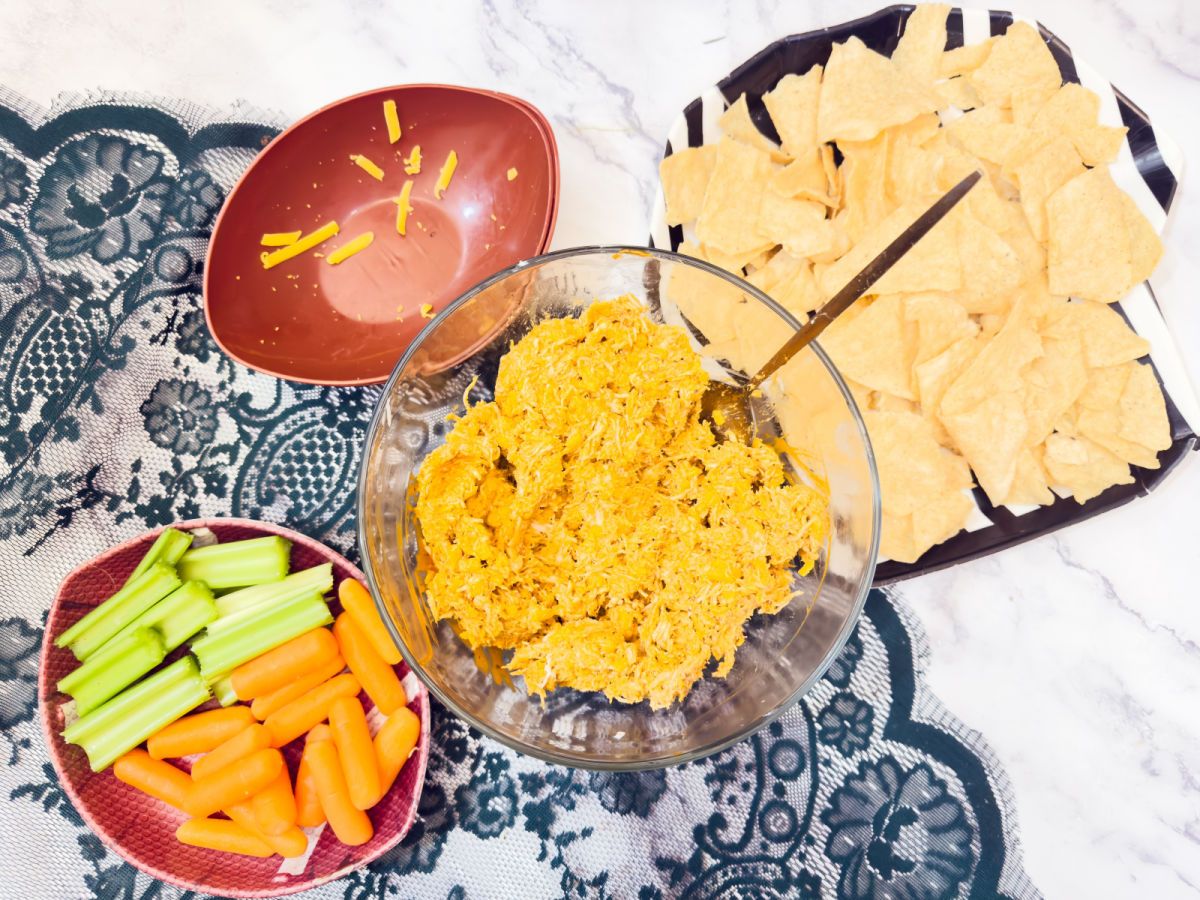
[141,829]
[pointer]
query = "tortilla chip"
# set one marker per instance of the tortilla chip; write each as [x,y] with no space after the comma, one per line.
[798,293]
[1029,485]
[877,348]
[1040,175]
[998,367]
[1144,411]
[1019,60]
[684,177]
[936,374]
[958,92]
[896,538]
[1104,427]
[1073,112]
[726,221]
[1107,339]
[736,123]
[908,459]
[918,55]
[911,171]
[803,179]
[779,218]
[1020,239]
[864,177]
[733,262]
[1053,382]
[940,320]
[965,59]
[991,269]
[1083,466]
[1089,247]
[933,264]
[792,104]
[987,132]
[710,304]
[1105,386]
[940,519]
[990,436]
[1146,248]
[863,93]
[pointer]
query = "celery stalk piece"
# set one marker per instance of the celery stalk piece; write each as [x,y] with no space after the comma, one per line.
[167,548]
[110,670]
[317,578]
[222,689]
[90,633]
[177,616]
[263,629]
[237,563]
[137,712]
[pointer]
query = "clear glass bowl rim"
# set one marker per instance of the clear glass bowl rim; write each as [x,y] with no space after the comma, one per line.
[653,762]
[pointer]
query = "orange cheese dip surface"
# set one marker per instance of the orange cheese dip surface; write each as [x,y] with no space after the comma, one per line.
[589,521]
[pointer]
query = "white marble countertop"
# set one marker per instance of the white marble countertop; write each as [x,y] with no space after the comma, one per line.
[1076,655]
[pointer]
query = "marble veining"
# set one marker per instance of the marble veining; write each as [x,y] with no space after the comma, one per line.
[1075,655]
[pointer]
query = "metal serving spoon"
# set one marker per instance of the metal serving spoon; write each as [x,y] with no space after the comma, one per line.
[727,407]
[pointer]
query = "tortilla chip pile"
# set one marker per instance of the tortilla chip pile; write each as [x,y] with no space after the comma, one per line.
[988,353]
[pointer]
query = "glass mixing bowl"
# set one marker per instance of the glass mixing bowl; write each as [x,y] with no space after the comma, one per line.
[735,328]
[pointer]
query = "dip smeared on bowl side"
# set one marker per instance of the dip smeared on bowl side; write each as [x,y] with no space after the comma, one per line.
[588,520]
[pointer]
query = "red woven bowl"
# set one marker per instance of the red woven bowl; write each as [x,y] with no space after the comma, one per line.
[307,320]
[141,829]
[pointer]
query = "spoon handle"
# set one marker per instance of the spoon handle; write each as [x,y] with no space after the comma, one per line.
[857,286]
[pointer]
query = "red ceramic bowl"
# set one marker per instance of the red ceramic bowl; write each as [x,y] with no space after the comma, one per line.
[306,320]
[140,828]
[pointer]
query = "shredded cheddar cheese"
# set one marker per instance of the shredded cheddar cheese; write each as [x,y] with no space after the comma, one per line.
[512,173]
[392,120]
[445,175]
[280,238]
[351,247]
[427,311]
[307,242]
[412,165]
[367,166]
[403,208]
[589,520]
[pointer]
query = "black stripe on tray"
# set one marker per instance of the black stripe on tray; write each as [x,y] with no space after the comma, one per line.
[1146,155]
[954,29]
[999,21]
[694,116]
[1061,53]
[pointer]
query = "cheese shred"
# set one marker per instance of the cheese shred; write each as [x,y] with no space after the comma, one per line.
[392,120]
[307,242]
[362,242]
[589,521]
[412,165]
[403,208]
[367,166]
[280,238]
[445,175]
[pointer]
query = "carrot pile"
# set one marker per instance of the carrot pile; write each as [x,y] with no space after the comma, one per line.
[298,689]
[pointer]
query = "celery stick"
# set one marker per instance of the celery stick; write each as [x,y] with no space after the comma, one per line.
[167,548]
[238,563]
[177,616]
[137,712]
[318,578]
[110,670]
[264,629]
[222,689]
[90,633]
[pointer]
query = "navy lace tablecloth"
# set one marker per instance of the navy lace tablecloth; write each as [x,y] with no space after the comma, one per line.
[118,413]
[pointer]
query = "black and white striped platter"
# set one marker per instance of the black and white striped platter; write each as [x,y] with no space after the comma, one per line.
[1147,169]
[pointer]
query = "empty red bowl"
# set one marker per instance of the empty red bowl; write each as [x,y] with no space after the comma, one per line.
[311,321]
[141,829]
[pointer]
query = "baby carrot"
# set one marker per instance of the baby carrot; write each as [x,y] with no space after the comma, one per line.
[304,712]
[275,807]
[292,842]
[374,674]
[357,601]
[153,776]
[198,733]
[279,667]
[393,745]
[352,738]
[250,738]
[349,823]
[308,805]
[233,784]
[265,705]
[221,834]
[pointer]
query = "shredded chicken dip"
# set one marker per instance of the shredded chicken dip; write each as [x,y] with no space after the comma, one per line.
[589,521]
